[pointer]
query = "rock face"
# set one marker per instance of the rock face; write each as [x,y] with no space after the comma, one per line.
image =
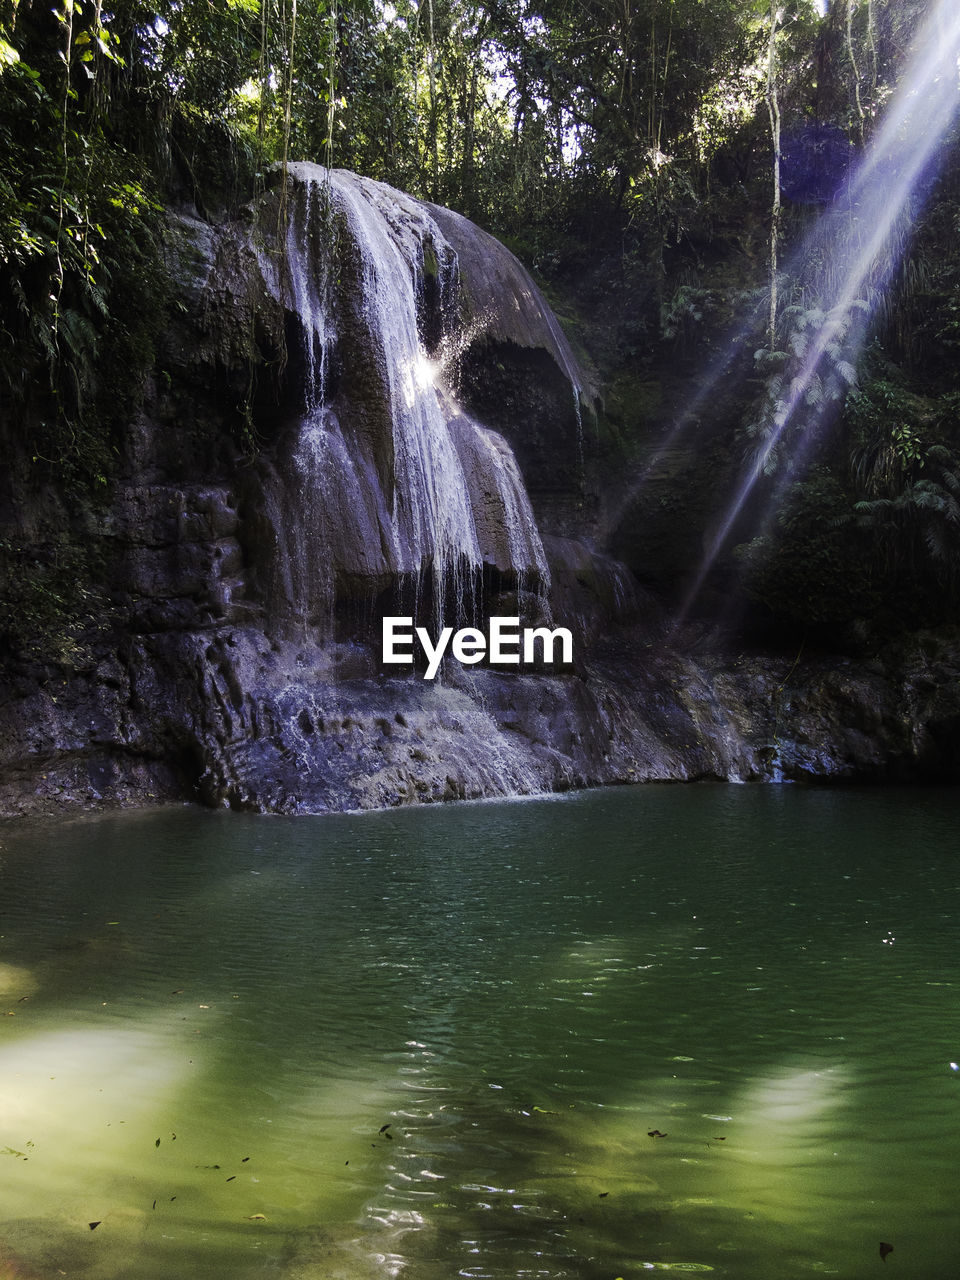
[419,420]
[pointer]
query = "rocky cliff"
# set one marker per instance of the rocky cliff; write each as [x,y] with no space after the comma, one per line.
[365,407]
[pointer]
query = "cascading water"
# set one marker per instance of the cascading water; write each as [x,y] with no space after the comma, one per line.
[503,518]
[431,517]
[393,483]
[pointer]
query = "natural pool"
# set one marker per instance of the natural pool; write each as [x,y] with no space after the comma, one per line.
[436,1042]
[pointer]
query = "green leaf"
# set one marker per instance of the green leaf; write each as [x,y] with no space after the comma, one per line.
[8,55]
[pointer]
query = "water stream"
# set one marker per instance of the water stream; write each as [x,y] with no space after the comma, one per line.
[706,1029]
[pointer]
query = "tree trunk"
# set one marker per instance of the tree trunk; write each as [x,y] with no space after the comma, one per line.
[855,70]
[773,107]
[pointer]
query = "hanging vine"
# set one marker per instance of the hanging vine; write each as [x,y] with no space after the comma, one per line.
[331,85]
[291,44]
[855,72]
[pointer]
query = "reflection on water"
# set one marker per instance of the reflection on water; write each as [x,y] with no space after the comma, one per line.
[665,1029]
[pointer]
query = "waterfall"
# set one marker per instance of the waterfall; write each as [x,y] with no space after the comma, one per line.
[391,481]
[503,518]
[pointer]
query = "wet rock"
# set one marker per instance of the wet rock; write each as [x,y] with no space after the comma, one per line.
[234,659]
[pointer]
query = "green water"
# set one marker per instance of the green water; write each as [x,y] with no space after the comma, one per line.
[212,1017]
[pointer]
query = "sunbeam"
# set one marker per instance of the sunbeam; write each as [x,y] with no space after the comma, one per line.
[857,233]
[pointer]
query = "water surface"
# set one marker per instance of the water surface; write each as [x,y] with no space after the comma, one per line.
[680,1029]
